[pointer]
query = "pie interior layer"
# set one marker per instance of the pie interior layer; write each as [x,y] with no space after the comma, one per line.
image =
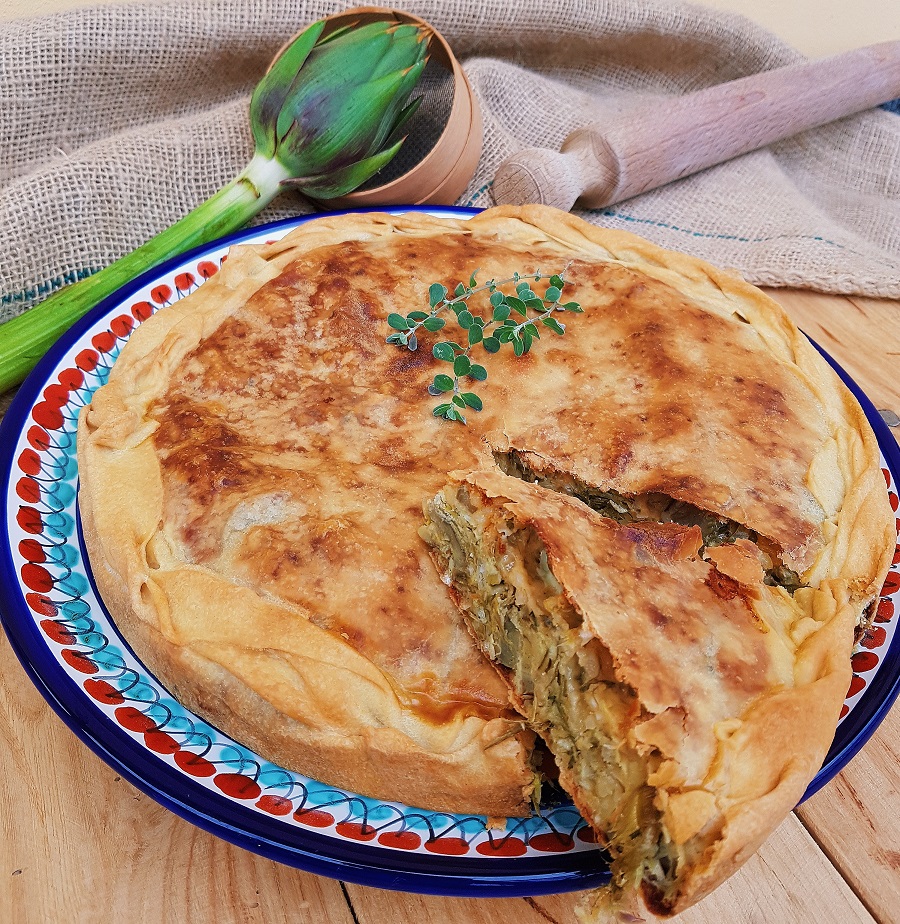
[252,477]
[687,702]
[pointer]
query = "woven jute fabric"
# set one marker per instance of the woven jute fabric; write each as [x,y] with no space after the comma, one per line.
[117,120]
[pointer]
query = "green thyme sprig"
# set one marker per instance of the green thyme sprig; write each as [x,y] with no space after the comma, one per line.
[491,333]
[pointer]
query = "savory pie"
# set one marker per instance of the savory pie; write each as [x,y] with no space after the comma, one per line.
[253,474]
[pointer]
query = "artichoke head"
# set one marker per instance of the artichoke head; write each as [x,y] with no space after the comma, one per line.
[331,110]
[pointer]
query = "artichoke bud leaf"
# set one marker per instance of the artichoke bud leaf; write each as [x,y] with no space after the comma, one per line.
[339,129]
[344,179]
[271,92]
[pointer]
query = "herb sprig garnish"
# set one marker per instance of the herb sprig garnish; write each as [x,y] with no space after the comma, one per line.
[488,333]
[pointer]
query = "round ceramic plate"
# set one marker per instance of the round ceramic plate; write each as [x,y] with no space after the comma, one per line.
[69,645]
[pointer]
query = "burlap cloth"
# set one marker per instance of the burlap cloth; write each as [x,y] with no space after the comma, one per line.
[117,120]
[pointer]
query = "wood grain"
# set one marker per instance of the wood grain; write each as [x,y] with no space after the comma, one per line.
[789,879]
[854,821]
[79,844]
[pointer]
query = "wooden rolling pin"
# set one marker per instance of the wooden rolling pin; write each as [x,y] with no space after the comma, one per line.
[669,138]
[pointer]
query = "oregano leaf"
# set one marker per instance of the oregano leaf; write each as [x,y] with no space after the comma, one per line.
[465,319]
[397,321]
[472,400]
[517,305]
[458,401]
[462,365]
[479,373]
[443,351]
[433,324]
[491,344]
[475,335]
[554,325]
[501,312]
[436,293]
[443,383]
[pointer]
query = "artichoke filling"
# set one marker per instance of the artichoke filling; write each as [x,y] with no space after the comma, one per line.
[563,680]
[658,508]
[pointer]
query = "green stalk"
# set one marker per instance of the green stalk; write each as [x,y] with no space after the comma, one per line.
[26,338]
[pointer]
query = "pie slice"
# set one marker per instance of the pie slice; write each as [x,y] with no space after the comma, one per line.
[687,695]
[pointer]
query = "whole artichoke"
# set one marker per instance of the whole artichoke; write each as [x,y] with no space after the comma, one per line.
[330,110]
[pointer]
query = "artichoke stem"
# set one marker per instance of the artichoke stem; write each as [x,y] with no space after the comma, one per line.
[26,338]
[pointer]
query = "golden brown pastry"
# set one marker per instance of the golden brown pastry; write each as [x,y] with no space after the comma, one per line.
[253,473]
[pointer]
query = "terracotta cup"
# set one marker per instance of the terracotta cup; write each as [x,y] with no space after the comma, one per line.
[444,172]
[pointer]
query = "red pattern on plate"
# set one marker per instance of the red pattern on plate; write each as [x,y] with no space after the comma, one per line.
[161,294]
[76,660]
[134,720]
[105,341]
[506,847]
[448,846]
[58,632]
[238,786]
[275,805]
[552,843]
[142,310]
[314,818]
[400,840]
[356,831]
[48,416]
[194,764]
[103,692]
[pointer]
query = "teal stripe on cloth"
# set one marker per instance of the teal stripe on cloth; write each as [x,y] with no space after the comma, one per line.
[656,223]
[45,288]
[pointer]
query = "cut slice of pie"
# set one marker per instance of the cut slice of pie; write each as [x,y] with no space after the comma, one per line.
[688,695]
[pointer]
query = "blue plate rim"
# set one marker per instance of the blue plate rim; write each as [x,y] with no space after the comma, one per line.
[356,862]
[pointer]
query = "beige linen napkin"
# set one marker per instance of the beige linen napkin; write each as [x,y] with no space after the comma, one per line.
[117,120]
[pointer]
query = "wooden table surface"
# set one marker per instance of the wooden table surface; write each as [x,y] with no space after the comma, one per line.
[835,860]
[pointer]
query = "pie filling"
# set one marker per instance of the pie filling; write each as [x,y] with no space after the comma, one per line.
[564,685]
[657,508]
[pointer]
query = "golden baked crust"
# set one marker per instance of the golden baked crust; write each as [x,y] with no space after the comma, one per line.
[253,472]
